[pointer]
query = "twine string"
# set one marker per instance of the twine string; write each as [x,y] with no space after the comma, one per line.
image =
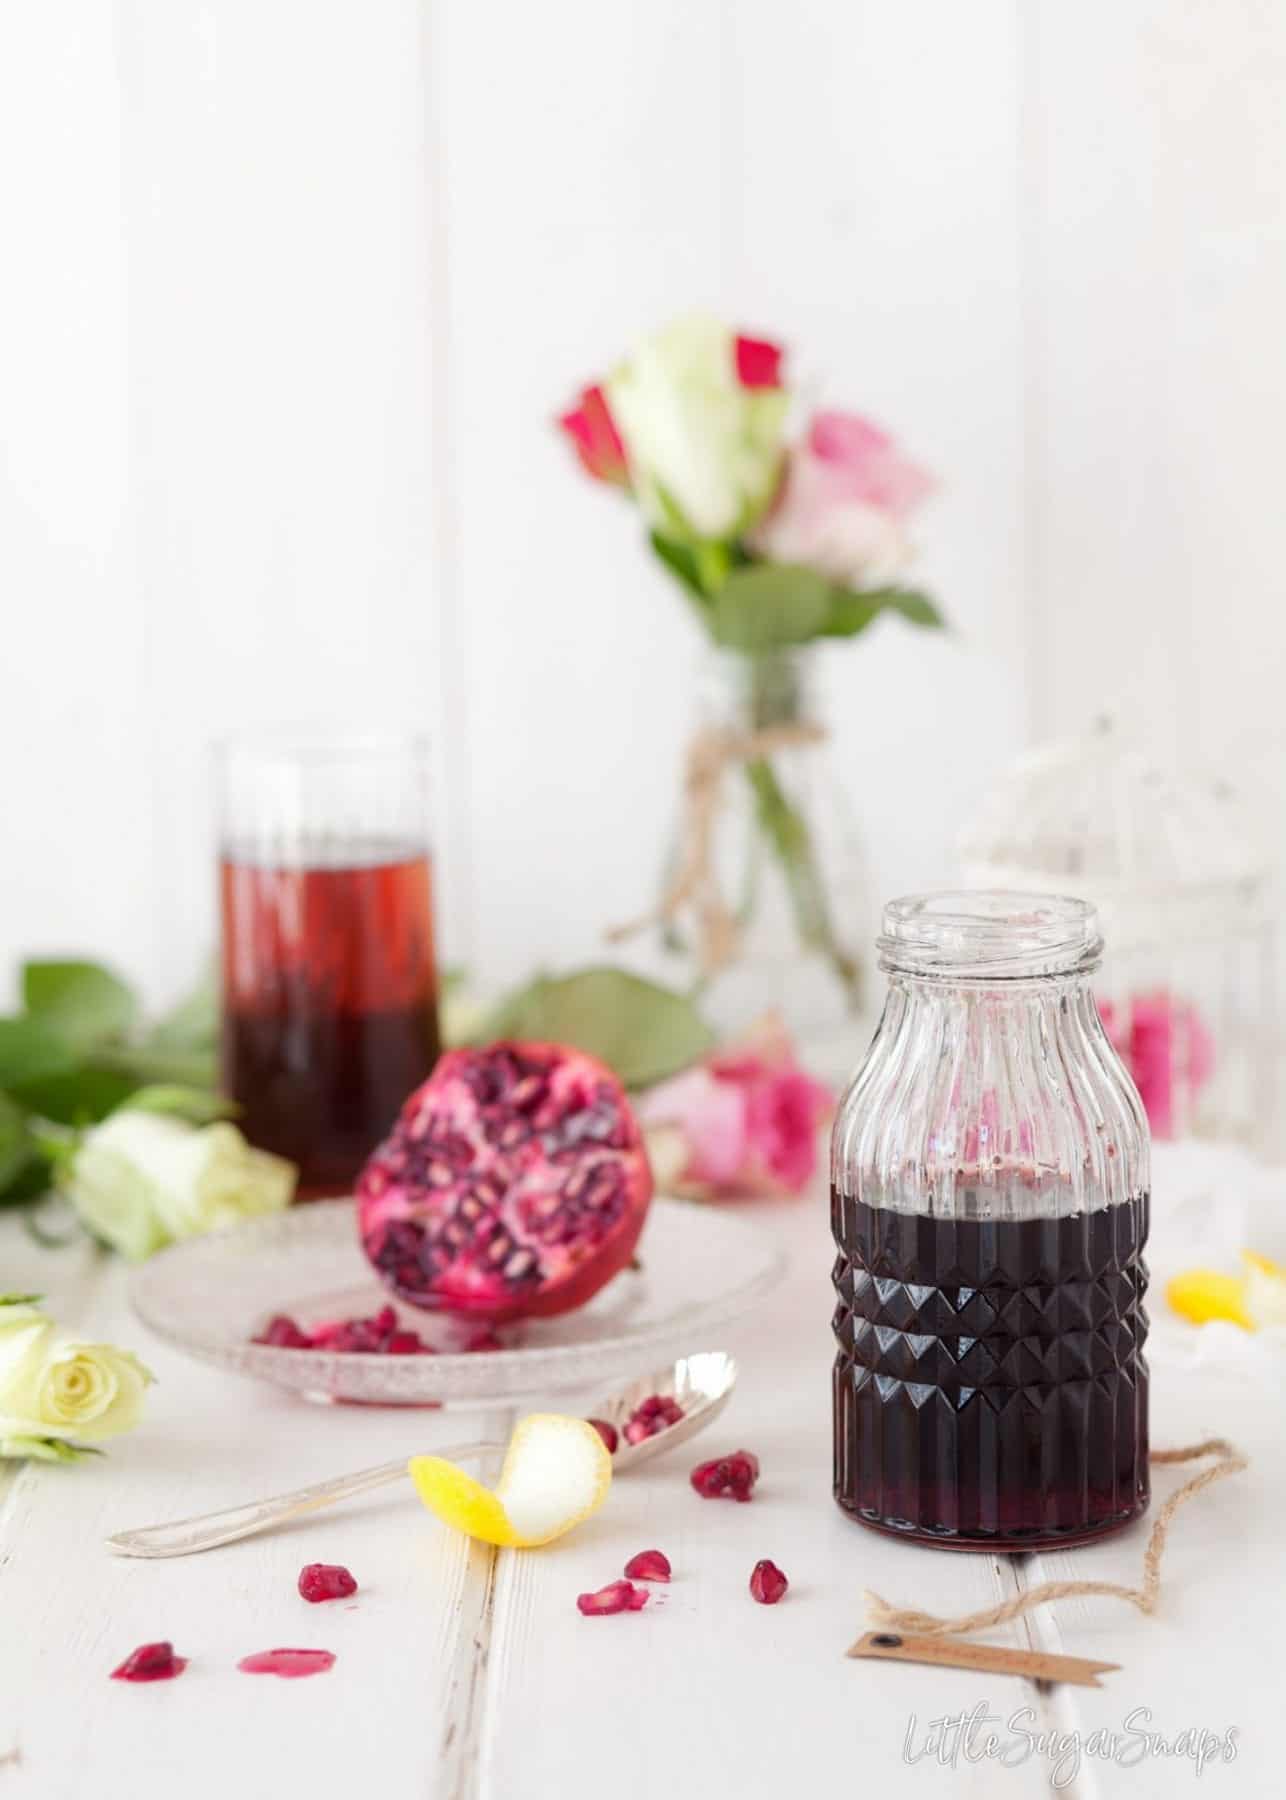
[1228,1461]
[695,881]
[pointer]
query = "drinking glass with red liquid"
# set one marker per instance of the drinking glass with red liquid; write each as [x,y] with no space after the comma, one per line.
[329,979]
[989,1202]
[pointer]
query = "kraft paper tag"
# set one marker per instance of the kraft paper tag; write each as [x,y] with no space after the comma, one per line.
[955,1653]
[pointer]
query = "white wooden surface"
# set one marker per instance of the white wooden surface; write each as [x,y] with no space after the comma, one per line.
[463,1675]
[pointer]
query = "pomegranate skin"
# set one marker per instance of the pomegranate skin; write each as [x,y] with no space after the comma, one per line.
[514,1185]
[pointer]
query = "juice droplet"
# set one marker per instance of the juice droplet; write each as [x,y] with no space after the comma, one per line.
[290,1663]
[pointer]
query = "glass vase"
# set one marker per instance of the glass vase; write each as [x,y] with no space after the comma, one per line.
[764,896]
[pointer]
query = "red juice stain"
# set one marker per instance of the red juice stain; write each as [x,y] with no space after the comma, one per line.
[290,1663]
[151,1662]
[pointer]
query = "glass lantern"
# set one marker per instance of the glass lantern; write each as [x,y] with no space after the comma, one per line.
[1183,889]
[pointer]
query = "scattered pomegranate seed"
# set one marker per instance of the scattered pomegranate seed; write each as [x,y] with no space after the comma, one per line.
[151,1662]
[290,1663]
[485,1340]
[651,1416]
[606,1432]
[767,1583]
[649,1565]
[616,1597]
[732,1477]
[326,1581]
[282,1332]
[380,1335]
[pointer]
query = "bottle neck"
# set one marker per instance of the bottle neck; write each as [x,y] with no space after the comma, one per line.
[997,995]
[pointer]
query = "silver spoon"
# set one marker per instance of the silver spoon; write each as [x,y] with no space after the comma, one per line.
[702,1385]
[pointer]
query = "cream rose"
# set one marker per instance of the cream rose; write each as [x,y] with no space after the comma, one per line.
[704,445]
[57,1391]
[139,1180]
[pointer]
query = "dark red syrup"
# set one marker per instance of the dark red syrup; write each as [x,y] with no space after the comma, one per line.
[990,1387]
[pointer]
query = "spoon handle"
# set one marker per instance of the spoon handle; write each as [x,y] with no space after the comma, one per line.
[184,1537]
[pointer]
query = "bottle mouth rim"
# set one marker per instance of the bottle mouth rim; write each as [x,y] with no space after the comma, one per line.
[989,935]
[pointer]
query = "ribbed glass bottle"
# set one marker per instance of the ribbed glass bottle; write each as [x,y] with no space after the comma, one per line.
[989,1202]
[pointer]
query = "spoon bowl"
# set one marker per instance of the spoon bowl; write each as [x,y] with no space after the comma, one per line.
[700,1384]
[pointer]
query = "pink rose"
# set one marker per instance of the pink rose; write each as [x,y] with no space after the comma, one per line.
[1166,1041]
[747,1118]
[597,442]
[844,503]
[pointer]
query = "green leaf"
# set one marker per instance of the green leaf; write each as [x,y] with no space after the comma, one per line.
[21,1299]
[15,1146]
[768,606]
[46,1449]
[30,1050]
[682,563]
[75,1096]
[642,1031]
[851,613]
[145,1065]
[86,1003]
[197,1105]
[32,1180]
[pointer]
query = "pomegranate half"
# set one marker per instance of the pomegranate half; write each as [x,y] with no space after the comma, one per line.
[514,1184]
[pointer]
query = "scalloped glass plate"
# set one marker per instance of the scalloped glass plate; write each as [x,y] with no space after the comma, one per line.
[700,1270]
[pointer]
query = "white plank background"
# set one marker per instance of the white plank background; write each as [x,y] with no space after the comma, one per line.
[294,291]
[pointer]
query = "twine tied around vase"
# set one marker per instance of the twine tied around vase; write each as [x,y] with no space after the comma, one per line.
[695,883]
[1229,1461]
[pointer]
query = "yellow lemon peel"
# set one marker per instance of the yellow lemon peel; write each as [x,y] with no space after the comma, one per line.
[556,1472]
[1200,1295]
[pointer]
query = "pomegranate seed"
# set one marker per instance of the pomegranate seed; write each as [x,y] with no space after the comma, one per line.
[282,1332]
[607,1433]
[616,1597]
[731,1477]
[151,1662]
[326,1581]
[651,1416]
[290,1663]
[378,1335]
[649,1565]
[767,1583]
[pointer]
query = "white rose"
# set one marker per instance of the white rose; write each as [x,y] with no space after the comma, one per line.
[140,1180]
[704,451]
[56,1390]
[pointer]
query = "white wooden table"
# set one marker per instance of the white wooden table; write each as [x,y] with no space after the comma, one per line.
[465,1673]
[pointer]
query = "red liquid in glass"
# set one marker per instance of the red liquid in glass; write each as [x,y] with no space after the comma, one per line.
[330,1019]
[990,1388]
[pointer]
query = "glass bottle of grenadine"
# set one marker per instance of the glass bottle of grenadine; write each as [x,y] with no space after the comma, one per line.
[989,1202]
